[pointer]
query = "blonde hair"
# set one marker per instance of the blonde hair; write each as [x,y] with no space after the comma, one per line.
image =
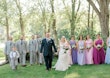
[63,37]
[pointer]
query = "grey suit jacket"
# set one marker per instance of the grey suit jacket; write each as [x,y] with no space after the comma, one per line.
[21,46]
[8,47]
[32,46]
[38,42]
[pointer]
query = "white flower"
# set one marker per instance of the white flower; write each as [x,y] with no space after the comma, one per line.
[73,46]
[108,45]
[65,48]
[81,48]
[88,46]
[98,46]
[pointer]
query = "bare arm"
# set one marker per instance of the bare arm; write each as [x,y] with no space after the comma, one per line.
[94,44]
[107,42]
[84,45]
[77,45]
[102,43]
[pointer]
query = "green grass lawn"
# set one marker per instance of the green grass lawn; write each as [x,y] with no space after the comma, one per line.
[76,71]
[2,56]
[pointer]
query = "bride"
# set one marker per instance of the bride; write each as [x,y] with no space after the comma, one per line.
[64,60]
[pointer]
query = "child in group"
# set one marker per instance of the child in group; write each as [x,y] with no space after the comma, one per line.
[14,55]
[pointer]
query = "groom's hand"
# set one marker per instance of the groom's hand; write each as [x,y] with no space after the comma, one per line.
[56,53]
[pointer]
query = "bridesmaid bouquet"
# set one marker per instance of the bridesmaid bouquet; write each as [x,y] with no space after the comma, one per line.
[109,45]
[65,48]
[88,47]
[98,46]
[73,46]
[81,48]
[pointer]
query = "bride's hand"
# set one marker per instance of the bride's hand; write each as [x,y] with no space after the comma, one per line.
[56,53]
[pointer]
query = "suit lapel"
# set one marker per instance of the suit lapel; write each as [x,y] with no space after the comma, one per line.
[46,41]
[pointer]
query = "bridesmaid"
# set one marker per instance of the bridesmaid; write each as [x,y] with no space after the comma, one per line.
[107,58]
[73,50]
[89,50]
[81,51]
[98,51]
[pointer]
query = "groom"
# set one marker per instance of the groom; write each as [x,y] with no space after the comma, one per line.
[46,48]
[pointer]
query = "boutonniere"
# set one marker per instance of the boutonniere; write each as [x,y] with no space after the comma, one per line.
[40,41]
[50,41]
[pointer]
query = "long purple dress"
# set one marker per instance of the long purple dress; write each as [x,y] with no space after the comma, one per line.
[98,55]
[73,52]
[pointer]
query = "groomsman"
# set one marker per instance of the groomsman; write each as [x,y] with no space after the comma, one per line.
[22,49]
[33,47]
[40,58]
[8,48]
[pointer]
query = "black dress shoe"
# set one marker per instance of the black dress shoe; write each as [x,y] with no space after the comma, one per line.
[16,67]
[50,68]
[40,63]
[30,64]
[24,65]
[47,69]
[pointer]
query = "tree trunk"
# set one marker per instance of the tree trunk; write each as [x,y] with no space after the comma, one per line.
[54,22]
[54,31]
[49,24]
[104,27]
[44,21]
[20,17]
[44,28]
[104,18]
[103,15]
[88,27]
[7,27]
[6,19]
[73,18]
[21,24]
[72,22]
[92,23]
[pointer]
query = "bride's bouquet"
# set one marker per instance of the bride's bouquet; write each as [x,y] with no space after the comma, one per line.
[66,48]
[73,46]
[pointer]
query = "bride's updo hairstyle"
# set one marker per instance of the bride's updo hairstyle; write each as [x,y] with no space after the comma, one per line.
[63,39]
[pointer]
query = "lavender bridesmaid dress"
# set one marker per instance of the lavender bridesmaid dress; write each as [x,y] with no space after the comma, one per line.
[81,53]
[73,52]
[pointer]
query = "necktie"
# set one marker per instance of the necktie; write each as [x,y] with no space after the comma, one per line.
[21,42]
[32,42]
[10,43]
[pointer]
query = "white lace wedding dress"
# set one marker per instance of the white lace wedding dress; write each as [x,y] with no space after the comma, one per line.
[63,61]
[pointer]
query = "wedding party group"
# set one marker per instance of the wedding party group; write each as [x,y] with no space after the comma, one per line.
[17,51]
[69,52]
[83,52]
